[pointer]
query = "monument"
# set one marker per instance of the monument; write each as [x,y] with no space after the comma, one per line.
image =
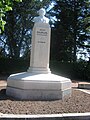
[39,62]
[38,83]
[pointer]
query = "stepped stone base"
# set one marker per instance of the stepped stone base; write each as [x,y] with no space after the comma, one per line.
[30,86]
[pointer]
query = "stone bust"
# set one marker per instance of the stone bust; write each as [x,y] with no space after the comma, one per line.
[41,18]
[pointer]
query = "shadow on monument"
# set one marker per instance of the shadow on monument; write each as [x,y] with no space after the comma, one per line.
[3,96]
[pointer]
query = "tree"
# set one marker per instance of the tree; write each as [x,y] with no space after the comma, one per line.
[19,26]
[70,35]
[87,18]
[5,5]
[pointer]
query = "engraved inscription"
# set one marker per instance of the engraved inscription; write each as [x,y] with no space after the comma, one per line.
[41,42]
[42,32]
[42,35]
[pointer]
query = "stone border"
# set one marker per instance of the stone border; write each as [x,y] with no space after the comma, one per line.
[84,90]
[64,116]
[84,85]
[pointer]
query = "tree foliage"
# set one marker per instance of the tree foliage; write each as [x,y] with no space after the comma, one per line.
[69,21]
[18,28]
[5,5]
[87,18]
[69,31]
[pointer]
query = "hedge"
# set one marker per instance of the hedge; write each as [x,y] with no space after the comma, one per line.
[77,70]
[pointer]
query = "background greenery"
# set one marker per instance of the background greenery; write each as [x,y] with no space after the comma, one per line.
[70,36]
[75,71]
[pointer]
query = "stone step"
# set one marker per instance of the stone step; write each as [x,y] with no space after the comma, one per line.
[84,85]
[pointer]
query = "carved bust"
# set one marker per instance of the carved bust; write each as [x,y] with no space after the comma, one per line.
[41,18]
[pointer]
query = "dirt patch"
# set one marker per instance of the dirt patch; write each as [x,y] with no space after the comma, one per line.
[79,102]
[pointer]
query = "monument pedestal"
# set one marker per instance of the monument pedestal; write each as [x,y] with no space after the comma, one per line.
[32,86]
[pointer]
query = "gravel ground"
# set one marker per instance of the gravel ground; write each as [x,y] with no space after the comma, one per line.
[79,102]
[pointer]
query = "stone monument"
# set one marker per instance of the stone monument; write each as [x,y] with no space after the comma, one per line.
[39,62]
[38,83]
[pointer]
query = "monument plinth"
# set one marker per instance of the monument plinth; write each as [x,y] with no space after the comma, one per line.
[38,83]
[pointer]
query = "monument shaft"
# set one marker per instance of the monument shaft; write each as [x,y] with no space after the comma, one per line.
[39,62]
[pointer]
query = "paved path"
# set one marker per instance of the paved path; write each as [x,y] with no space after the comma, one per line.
[3,83]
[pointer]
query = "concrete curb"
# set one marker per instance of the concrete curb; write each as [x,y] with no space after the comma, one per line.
[84,85]
[64,116]
[85,91]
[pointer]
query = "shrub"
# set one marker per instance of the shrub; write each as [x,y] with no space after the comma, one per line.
[8,65]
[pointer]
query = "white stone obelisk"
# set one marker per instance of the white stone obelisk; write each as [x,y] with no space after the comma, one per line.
[38,83]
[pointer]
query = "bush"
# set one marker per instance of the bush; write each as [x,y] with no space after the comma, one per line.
[77,70]
[61,68]
[9,66]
